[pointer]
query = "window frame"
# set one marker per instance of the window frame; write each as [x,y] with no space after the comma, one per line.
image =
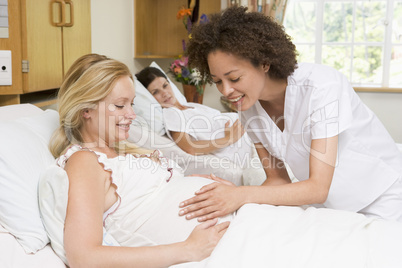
[386,44]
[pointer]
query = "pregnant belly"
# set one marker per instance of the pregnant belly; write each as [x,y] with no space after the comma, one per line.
[162,223]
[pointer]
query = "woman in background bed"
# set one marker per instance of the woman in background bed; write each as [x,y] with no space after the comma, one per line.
[115,185]
[305,115]
[197,129]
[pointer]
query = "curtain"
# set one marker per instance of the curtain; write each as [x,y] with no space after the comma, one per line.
[272,8]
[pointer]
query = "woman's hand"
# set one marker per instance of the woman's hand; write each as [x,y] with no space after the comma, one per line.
[204,238]
[234,132]
[212,201]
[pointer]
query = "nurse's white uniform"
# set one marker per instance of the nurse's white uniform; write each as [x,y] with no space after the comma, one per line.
[320,103]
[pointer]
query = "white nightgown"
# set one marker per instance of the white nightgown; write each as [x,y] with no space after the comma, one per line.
[147,212]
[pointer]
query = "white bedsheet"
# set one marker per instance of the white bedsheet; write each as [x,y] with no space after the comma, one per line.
[12,255]
[291,237]
[277,237]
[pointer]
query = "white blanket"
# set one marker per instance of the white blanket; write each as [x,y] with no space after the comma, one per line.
[293,237]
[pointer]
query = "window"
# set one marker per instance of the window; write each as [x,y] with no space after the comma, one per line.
[360,38]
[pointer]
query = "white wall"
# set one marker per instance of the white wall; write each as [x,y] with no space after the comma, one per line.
[112,25]
[113,35]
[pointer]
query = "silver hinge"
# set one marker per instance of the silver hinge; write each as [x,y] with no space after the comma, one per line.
[25,66]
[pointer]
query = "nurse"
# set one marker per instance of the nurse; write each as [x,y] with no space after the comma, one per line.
[305,115]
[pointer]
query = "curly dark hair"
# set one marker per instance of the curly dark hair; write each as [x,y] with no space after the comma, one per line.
[249,35]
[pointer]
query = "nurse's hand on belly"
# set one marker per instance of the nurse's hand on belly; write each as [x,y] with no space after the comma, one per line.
[213,200]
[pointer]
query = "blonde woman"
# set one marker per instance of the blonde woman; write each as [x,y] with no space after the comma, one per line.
[116,186]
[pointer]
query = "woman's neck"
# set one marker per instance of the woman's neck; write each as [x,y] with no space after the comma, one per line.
[99,145]
[181,106]
[274,92]
[274,101]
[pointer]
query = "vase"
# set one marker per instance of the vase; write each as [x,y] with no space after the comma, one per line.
[191,94]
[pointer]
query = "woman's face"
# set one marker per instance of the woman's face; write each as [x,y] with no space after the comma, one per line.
[162,91]
[111,120]
[237,79]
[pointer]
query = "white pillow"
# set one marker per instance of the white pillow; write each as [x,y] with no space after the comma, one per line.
[147,107]
[15,111]
[24,155]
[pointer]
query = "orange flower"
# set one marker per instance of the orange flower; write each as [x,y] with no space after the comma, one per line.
[183,12]
[177,70]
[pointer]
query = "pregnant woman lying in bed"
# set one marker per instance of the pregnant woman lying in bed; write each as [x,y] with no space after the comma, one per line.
[102,183]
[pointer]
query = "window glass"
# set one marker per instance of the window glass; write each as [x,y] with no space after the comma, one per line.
[397,23]
[367,65]
[338,22]
[370,19]
[395,79]
[360,38]
[339,57]
[301,21]
[305,53]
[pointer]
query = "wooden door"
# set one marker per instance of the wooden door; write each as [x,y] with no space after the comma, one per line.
[77,37]
[42,45]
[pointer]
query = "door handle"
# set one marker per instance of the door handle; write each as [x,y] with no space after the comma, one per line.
[62,9]
[71,5]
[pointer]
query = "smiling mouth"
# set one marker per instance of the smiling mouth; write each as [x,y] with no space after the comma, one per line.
[236,99]
[124,125]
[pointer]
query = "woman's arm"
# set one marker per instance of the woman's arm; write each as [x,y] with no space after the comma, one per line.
[216,199]
[198,147]
[83,231]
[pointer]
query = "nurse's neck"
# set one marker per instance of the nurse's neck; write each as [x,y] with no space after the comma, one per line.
[274,91]
[273,101]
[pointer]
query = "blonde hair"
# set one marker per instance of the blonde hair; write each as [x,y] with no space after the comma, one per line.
[89,80]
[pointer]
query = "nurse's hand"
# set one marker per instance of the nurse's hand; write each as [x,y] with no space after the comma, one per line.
[212,201]
[234,132]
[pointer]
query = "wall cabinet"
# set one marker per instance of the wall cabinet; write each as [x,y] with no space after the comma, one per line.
[47,36]
[158,33]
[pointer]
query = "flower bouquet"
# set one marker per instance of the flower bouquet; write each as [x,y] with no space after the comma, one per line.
[185,75]
[179,68]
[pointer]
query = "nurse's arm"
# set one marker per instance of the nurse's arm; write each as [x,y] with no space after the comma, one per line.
[323,155]
[216,199]
[274,168]
[314,190]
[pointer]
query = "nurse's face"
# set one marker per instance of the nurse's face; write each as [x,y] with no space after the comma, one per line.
[162,91]
[237,79]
